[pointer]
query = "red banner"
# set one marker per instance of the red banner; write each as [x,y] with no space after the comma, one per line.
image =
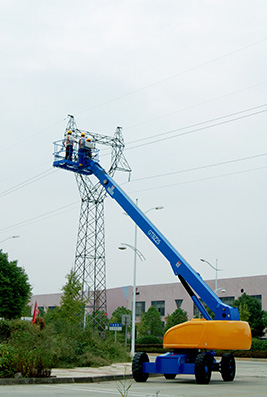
[35,313]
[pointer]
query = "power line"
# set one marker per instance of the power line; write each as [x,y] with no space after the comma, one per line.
[173,76]
[187,127]
[25,171]
[49,171]
[200,123]
[66,208]
[31,136]
[138,90]
[193,131]
[200,167]
[196,105]
[46,215]
[198,180]
[28,182]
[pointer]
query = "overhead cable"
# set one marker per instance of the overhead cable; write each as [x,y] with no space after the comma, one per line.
[194,106]
[197,180]
[139,89]
[193,131]
[28,182]
[200,167]
[46,215]
[174,76]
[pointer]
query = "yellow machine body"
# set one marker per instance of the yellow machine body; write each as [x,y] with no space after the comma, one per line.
[213,335]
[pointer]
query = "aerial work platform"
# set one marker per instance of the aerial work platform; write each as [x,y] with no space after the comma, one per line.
[73,165]
[193,344]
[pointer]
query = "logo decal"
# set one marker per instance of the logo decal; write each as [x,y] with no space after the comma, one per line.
[111,190]
[154,237]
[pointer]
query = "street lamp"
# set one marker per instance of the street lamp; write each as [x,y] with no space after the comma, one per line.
[154,208]
[8,238]
[124,246]
[216,272]
[141,257]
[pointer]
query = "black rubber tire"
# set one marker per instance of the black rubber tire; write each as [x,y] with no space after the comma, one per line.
[228,367]
[137,370]
[169,376]
[203,366]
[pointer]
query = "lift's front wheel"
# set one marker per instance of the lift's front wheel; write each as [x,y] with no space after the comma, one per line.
[228,367]
[137,367]
[203,366]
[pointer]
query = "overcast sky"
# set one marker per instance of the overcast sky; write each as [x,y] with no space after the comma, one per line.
[187,82]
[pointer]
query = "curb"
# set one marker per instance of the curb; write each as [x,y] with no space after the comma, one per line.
[57,380]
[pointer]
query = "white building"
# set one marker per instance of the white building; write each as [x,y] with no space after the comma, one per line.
[168,297]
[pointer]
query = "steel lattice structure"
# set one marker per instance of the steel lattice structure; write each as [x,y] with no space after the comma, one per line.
[90,258]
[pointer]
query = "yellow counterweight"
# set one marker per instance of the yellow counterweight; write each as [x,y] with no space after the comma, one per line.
[213,334]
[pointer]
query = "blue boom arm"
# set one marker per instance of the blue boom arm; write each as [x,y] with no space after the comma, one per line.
[180,267]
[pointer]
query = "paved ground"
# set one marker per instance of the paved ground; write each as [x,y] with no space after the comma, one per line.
[113,370]
[250,380]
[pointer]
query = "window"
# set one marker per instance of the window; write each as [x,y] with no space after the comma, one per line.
[160,306]
[140,308]
[228,300]
[178,303]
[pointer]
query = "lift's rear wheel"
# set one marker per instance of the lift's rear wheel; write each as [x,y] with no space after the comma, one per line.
[203,365]
[137,370]
[169,376]
[228,367]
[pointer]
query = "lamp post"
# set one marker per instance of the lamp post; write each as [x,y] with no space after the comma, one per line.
[141,257]
[216,272]
[8,238]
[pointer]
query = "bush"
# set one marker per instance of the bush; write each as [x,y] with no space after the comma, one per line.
[250,311]
[150,323]
[149,340]
[7,361]
[89,359]
[32,350]
[5,330]
[258,345]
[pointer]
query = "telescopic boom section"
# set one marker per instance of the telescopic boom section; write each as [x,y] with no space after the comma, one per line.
[181,268]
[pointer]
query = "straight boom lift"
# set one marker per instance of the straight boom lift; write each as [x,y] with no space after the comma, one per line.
[191,344]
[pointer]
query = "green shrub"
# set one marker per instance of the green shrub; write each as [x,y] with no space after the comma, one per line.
[258,345]
[89,359]
[148,340]
[5,330]
[33,350]
[7,361]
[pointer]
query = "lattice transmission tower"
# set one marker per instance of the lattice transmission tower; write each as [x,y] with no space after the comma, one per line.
[90,258]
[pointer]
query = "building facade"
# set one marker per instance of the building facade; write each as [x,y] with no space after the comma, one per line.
[168,297]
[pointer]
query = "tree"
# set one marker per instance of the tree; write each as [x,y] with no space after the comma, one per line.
[71,304]
[150,323]
[265,318]
[250,311]
[15,289]
[98,320]
[69,316]
[177,317]
[116,316]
